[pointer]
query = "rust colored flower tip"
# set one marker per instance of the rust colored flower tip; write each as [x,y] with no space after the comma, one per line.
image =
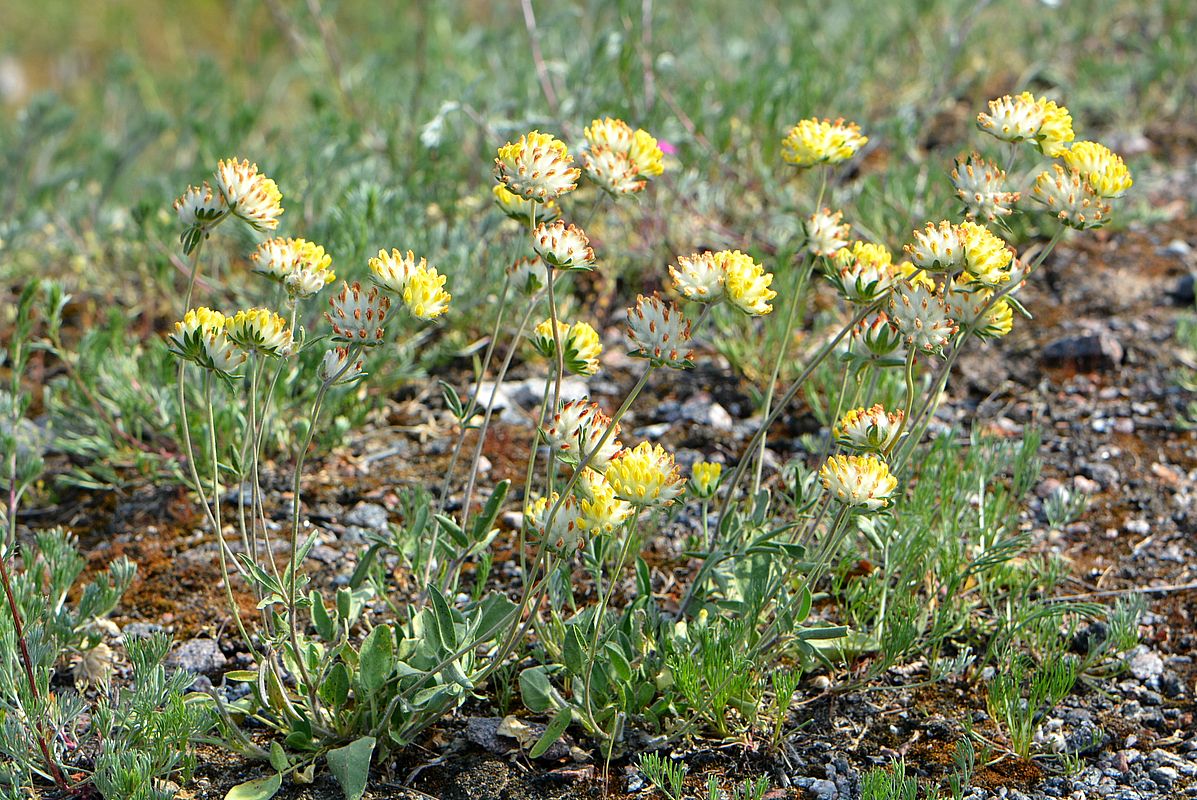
[356,315]
[659,332]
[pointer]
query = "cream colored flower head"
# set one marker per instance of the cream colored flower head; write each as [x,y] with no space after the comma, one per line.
[861,482]
[576,430]
[563,246]
[864,272]
[537,167]
[260,330]
[528,275]
[392,270]
[306,282]
[519,208]
[612,171]
[704,479]
[202,338]
[826,232]
[1016,118]
[1071,198]
[645,476]
[1056,131]
[815,141]
[356,315]
[249,194]
[870,430]
[913,276]
[1103,169]
[639,147]
[921,318]
[972,312]
[556,523]
[698,277]
[937,248]
[981,185]
[987,258]
[880,337]
[337,369]
[745,283]
[659,332]
[199,210]
[424,294]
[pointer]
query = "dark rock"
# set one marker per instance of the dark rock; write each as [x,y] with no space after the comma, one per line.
[1182,292]
[1093,351]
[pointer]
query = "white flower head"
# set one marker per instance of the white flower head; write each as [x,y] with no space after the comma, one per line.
[826,232]
[981,185]
[937,248]
[337,370]
[1013,118]
[698,277]
[357,315]
[1070,197]
[659,332]
[249,194]
[563,246]
[922,318]
[612,171]
[576,430]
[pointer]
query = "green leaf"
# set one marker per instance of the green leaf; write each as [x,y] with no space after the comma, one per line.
[493,616]
[454,531]
[573,651]
[619,662]
[552,733]
[484,521]
[320,619]
[335,688]
[259,789]
[278,756]
[452,400]
[536,690]
[350,765]
[444,617]
[377,659]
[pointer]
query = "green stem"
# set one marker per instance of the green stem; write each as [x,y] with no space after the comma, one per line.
[600,612]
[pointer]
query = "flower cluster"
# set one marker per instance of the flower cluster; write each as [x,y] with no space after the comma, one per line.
[815,141]
[864,272]
[577,429]
[536,167]
[870,430]
[357,316]
[704,479]
[202,338]
[613,147]
[421,287]
[981,185]
[299,265]
[249,194]
[563,246]
[860,482]
[260,330]
[645,476]
[728,274]
[826,232]
[1022,118]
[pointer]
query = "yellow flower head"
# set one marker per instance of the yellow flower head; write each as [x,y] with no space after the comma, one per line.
[392,270]
[280,257]
[1069,196]
[641,150]
[1056,131]
[987,258]
[745,283]
[870,430]
[704,478]
[859,481]
[261,330]
[424,293]
[967,305]
[698,277]
[580,343]
[537,167]
[599,510]
[201,337]
[645,475]
[914,276]
[1103,169]
[864,272]
[249,194]
[814,141]
[519,208]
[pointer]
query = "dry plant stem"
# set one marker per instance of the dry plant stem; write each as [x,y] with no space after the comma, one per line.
[787,332]
[217,524]
[473,402]
[43,743]
[785,400]
[600,612]
[256,420]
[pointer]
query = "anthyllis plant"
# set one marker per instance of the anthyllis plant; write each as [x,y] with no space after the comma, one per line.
[338,682]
